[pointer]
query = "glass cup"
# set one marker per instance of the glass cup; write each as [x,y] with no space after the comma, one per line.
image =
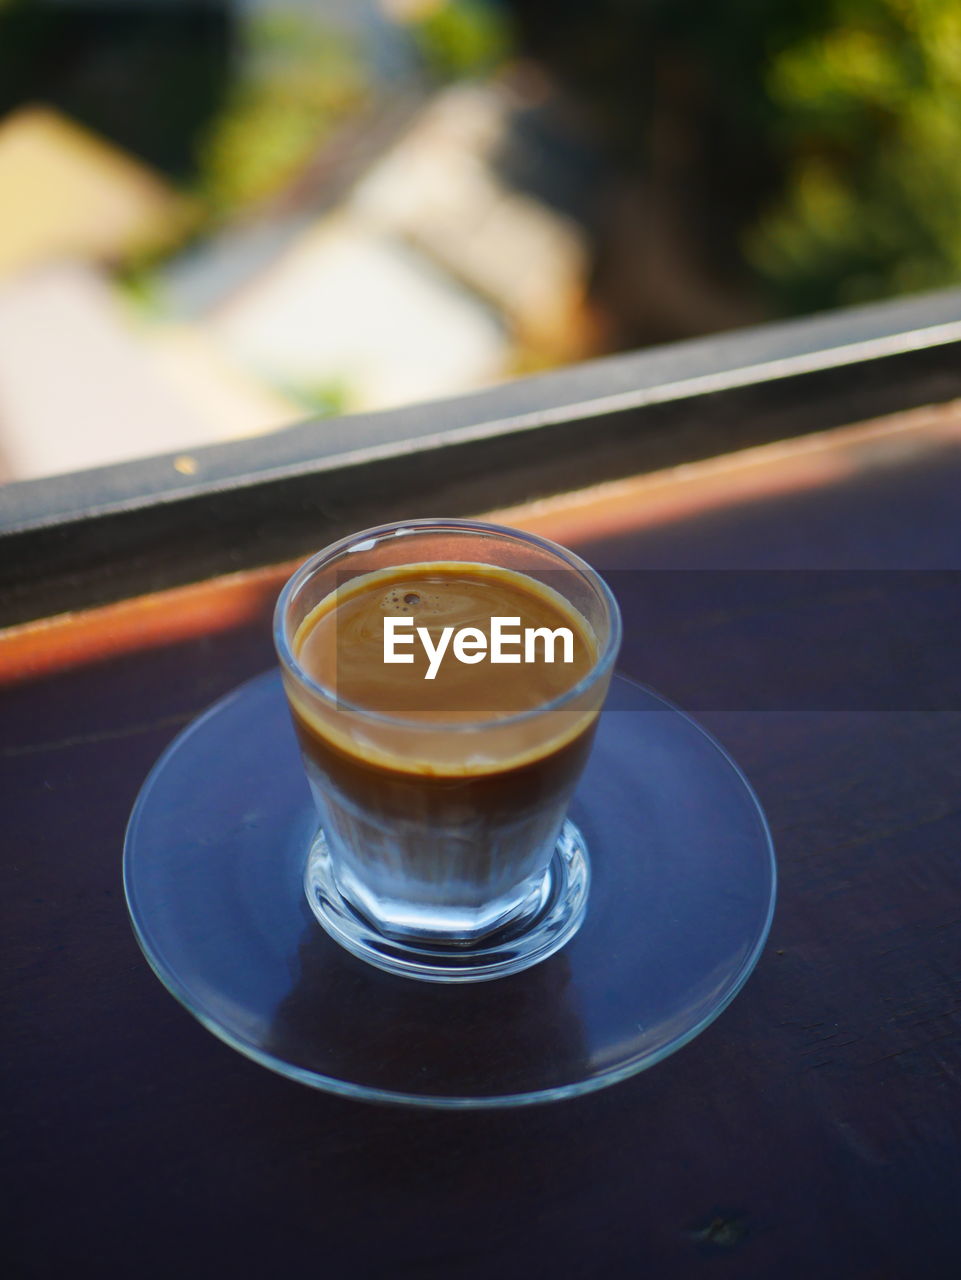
[444,852]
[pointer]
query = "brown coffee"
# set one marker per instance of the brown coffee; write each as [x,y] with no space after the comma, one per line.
[462,805]
[341,643]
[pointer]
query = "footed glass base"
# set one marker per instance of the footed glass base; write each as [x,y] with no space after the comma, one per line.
[545,922]
[681,896]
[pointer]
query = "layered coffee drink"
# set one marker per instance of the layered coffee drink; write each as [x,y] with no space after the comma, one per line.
[457,715]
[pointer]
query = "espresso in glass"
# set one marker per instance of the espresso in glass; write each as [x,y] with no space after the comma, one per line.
[442,777]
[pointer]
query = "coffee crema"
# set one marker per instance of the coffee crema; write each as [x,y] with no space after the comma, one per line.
[340,645]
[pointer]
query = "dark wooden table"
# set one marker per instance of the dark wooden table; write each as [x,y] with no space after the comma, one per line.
[812,1131]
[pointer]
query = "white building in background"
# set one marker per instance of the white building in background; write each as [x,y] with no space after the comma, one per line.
[403,270]
[84,380]
[84,383]
[364,316]
[427,279]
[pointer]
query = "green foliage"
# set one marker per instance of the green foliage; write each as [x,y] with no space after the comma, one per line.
[328,399]
[137,284]
[867,120]
[819,140]
[296,80]
[462,38]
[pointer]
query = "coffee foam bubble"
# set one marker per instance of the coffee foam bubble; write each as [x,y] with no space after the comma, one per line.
[403,600]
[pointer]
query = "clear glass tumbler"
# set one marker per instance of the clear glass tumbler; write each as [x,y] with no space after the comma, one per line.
[444,852]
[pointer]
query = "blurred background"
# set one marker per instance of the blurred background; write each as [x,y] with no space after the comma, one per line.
[218,217]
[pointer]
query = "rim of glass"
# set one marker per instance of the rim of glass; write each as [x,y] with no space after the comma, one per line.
[604,662]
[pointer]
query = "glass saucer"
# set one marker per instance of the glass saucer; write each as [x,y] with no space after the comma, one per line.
[681,899]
